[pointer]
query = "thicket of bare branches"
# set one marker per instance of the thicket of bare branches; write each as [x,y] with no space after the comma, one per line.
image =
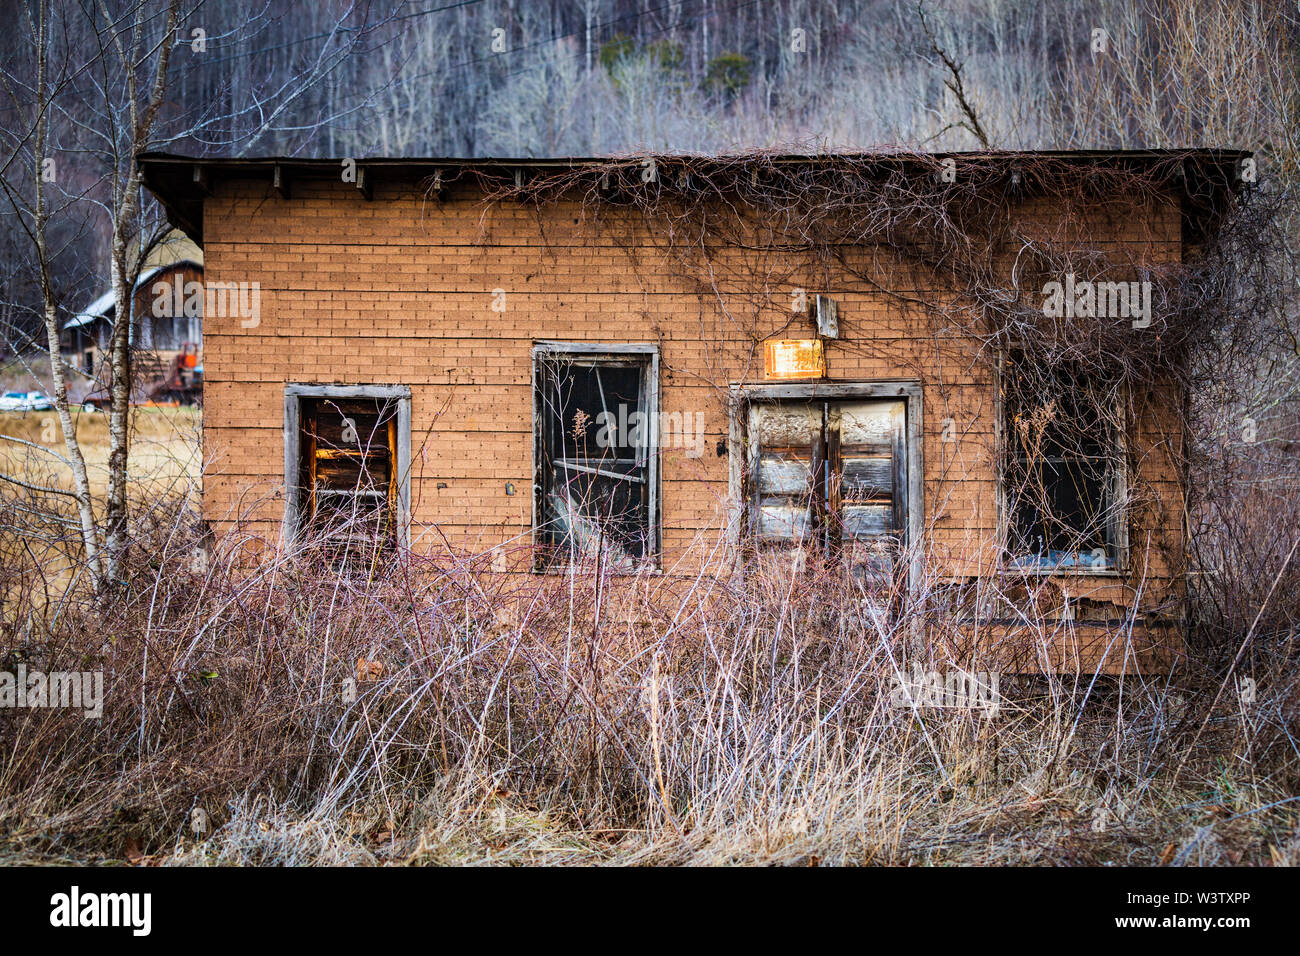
[435,712]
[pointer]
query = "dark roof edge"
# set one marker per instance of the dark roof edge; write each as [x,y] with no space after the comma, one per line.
[567,162]
[181,181]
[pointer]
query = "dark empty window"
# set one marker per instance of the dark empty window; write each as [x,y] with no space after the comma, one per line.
[1064,469]
[595,418]
[347,473]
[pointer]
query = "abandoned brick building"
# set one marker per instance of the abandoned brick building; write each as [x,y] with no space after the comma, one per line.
[520,357]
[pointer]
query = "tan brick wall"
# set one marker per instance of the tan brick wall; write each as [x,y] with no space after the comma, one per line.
[399,290]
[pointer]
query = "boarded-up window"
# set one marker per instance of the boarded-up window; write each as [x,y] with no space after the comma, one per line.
[596,419]
[1064,470]
[831,475]
[348,475]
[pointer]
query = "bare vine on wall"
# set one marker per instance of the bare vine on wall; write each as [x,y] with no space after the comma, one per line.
[1111,293]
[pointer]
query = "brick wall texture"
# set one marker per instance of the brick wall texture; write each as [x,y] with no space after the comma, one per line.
[401,289]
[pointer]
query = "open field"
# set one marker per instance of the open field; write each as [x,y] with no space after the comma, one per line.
[164,454]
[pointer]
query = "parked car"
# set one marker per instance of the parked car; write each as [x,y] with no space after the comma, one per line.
[26,402]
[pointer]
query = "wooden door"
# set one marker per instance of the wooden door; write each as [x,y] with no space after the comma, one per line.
[831,474]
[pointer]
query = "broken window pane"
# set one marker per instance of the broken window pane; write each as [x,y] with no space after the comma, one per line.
[348,451]
[1063,459]
[595,429]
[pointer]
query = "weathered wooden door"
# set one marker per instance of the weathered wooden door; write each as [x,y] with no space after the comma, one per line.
[831,475]
[867,484]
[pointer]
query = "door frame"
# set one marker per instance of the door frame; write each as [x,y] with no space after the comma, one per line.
[742,396]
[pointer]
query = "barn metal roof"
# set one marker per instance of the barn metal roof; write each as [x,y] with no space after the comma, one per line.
[105,304]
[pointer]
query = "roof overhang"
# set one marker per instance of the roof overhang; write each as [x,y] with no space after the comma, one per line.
[1205,178]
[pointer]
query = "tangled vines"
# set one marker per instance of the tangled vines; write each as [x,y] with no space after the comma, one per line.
[962,251]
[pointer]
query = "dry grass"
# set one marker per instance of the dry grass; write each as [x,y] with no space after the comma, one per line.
[164,447]
[593,719]
[596,720]
[39,539]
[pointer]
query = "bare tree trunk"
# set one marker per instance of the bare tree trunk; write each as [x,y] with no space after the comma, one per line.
[75,459]
[126,204]
[119,361]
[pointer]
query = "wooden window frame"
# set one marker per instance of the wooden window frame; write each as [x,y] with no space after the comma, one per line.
[909,391]
[647,352]
[293,396]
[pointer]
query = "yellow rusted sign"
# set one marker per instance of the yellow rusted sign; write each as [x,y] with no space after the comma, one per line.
[794,358]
